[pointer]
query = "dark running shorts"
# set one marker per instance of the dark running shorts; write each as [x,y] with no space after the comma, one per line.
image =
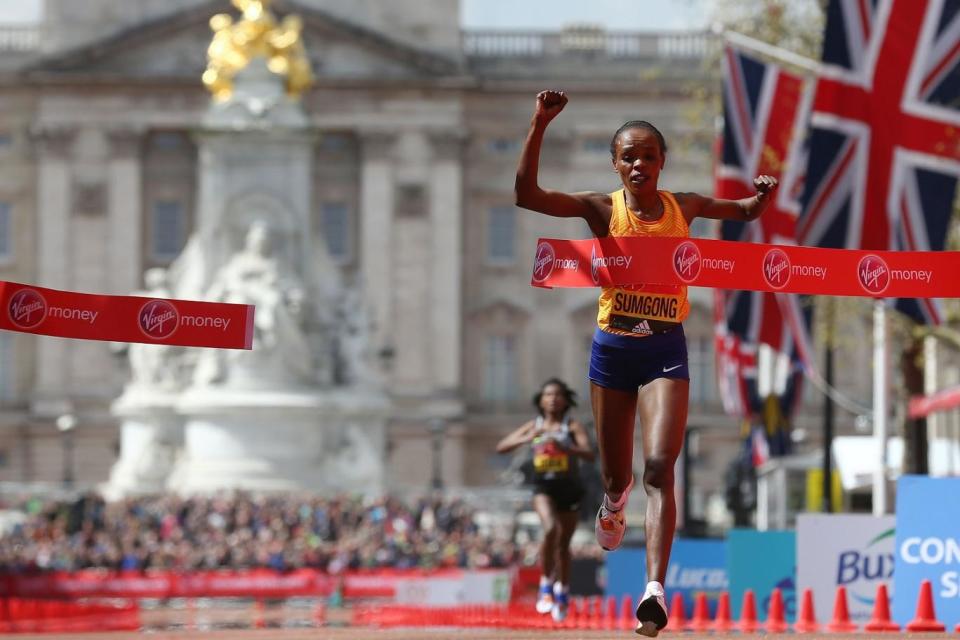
[566,493]
[626,363]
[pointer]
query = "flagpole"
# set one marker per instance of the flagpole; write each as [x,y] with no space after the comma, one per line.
[827,462]
[880,406]
[773,51]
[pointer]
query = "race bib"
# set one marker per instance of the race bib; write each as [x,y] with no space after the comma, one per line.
[549,456]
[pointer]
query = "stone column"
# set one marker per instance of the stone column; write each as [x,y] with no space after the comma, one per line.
[376,230]
[125,212]
[54,146]
[446,216]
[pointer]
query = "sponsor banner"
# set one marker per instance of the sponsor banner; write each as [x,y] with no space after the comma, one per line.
[696,566]
[454,588]
[762,560]
[256,583]
[67,314]
[852,550]
[927,546]
[724,264]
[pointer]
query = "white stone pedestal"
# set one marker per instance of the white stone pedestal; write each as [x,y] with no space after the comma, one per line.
[151,436]
[281,441]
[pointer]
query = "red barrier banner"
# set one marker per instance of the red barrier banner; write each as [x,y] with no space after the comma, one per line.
[255,583]
[722,264]
[67,314]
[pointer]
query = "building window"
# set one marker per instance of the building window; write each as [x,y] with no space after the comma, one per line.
[7,368]
[500,370]
[6,140]
[6,231]
[501,229]
[703,376]
[167,140]
[335,227]
[168,226]
[504,145]
[410,200]
[335,142]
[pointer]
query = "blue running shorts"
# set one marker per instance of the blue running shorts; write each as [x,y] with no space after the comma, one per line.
[626,363]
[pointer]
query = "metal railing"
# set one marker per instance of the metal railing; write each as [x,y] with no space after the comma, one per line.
[613,44]
[19,38]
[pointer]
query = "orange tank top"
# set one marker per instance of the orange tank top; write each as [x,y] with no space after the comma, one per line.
[627,310]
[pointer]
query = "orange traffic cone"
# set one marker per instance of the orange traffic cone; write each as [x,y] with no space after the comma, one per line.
[583,622]
[258,621]
[841,615]
[596,610]
[722,621]
[748,613]
[880,620]
[807,618]
[926,619]
[775,620]
[677,619]
[701,614]
[575,613]
[628,617]
[610,614]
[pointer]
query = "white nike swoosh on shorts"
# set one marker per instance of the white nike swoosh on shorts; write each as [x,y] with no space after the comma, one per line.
[669,369]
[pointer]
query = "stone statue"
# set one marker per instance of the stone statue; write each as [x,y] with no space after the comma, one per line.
[281,352]
[354,341]
[256,35]
[156,366]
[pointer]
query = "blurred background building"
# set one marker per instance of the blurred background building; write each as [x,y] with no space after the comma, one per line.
[418,126]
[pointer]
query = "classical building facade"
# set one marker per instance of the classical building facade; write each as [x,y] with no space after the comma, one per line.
[419,127]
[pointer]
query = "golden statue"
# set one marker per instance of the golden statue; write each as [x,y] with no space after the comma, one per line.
[256,35]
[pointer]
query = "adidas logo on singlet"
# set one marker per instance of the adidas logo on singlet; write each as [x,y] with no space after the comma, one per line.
[643,328]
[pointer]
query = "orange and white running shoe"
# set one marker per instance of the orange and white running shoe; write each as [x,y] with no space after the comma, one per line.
[611,525]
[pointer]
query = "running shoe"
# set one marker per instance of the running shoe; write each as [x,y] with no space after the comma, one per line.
[545,599]
[611,525]
[561,602]
[651,612]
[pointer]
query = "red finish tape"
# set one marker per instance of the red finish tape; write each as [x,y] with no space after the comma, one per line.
[85,316]
[723,264]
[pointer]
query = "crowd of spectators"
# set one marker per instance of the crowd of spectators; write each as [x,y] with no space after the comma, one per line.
[243,532]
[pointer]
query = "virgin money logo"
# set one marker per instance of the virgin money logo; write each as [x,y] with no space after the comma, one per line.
[594,265]
[776,268]
[874,274]
[27,309]
[686,261]
[543,263]
[158,319]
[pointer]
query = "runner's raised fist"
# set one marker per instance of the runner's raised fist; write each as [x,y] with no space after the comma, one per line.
[765,185]
[549,104]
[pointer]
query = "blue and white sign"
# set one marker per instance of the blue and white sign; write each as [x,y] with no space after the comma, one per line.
[855,551]
[762,560]
[928,546]
[696,566]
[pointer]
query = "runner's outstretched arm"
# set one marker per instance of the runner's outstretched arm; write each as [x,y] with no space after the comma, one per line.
[527,190]
[695,205]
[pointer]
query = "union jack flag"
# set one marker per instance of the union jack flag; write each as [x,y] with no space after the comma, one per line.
[884,148]
[763,111]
